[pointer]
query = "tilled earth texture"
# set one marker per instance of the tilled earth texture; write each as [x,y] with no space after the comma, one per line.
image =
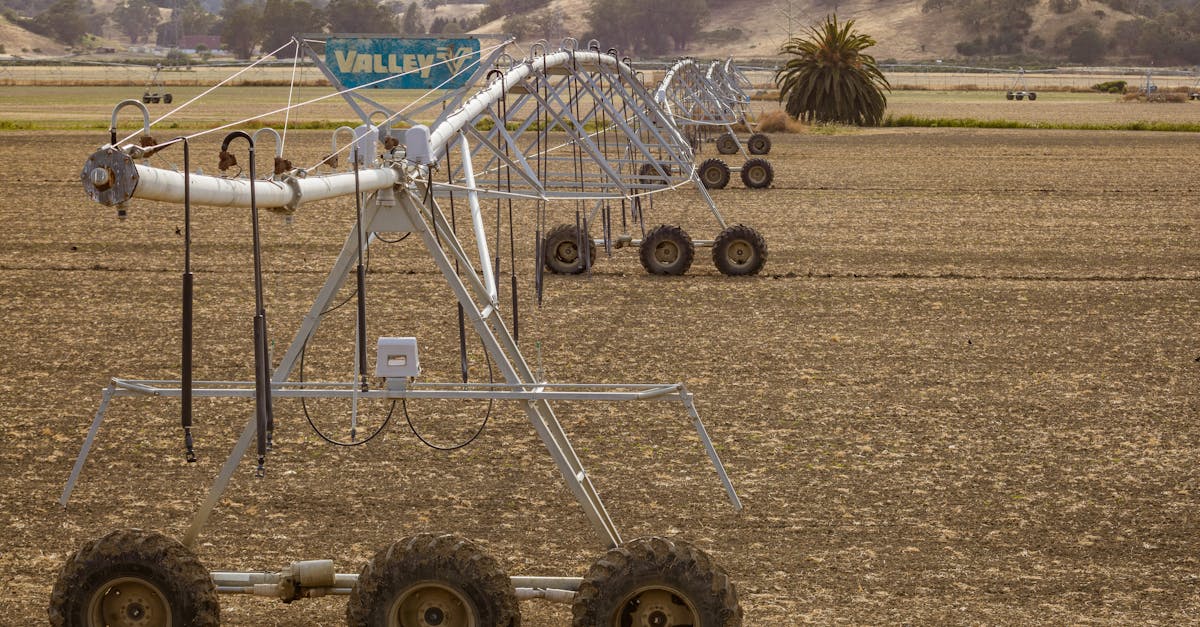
[963,390]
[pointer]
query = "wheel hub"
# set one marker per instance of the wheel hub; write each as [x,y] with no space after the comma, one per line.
[432,605]
[657,607]
[130,602]
[740,252]
[567,252]
[666,252]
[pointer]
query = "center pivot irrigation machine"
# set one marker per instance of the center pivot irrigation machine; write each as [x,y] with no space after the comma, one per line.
[135,577]
[603,142]
[1017,90]
[698,105]
[735,86]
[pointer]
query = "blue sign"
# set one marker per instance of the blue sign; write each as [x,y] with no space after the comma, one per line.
[395,63]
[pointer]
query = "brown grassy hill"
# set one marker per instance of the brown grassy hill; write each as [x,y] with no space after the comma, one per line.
[19,42]
[901,29]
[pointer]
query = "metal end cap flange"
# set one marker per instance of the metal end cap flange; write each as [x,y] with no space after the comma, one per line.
[109,176]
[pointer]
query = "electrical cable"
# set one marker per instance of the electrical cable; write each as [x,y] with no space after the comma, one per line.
[486,417]
[317,430]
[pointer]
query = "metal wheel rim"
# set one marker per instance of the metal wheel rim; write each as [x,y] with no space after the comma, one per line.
[129,602]
[739,252]
[757,174]
[666,253]
[432,604]
[757,144]
[712,175]
[655,606]
[566,252]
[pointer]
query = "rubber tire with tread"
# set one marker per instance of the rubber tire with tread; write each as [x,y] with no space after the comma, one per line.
[166,98]
[1009,96]
[739,235]
[667,236]
[759,144]
[564,264]
[427,557]
[714,174]
[727,144]
[757,174]
[649,173]
[654,562]
[1033,95]
[147,555]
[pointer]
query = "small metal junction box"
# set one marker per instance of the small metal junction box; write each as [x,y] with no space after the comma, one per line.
[396,357]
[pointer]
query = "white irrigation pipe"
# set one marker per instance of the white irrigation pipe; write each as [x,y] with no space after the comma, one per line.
[485,256]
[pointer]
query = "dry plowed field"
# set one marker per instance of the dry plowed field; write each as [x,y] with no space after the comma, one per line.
[963,390]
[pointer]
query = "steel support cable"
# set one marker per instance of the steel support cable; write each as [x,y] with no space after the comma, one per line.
[418,100]
[168,114]
[291,89]
[301,104]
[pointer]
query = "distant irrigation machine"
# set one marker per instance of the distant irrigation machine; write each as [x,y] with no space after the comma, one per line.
[619,147]
[701,103]
[1018,90]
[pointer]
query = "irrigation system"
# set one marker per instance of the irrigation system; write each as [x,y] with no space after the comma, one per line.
[570,126]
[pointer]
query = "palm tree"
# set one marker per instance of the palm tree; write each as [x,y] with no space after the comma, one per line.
[830,79]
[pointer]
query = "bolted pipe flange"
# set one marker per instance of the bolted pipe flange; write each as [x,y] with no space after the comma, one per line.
[109,176]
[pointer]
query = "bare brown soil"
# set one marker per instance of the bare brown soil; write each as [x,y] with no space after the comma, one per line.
[964,389]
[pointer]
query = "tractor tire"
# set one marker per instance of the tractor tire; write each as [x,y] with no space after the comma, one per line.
[133,577]
[562,252]
[759,144]
[667,250]
[649,174]
[757,174]
[1019,96]
[727,144]
[146,98]
[655,581]
[166,98]
[433,580]
[1009,96]
[739,251]
[714,174]
[1033,95]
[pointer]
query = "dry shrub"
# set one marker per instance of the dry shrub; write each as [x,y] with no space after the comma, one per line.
[778,122]
[1158,96]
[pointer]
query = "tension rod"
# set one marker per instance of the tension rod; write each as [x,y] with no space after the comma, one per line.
[262,382]
[362,280]
[188,292]
[360,336]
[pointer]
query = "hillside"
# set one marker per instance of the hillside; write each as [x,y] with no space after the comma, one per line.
[755,29]
[19,42]
[901,29]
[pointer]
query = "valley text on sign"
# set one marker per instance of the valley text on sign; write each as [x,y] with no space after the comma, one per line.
[424,63]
